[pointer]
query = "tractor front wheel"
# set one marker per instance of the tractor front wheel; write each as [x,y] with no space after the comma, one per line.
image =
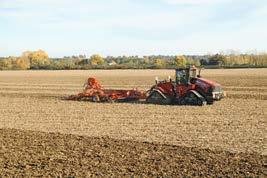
[194,98]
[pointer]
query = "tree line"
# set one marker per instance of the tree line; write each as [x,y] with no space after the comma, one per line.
[40,60]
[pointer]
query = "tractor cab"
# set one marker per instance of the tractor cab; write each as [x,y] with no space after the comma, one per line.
[185,75]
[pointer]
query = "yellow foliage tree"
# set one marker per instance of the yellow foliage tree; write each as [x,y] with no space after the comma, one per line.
[21,63]
[96,59]
[158,63]
[37,59]
[180,61]
[6,63]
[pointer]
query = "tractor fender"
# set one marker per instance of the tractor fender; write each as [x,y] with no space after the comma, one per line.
[200,99]
[156,96]
[197,94]
[159,91]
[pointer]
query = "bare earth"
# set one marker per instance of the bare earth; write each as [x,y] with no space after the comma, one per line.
[32,100]
[35,154]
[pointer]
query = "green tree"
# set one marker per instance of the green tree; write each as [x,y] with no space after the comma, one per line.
[218,59]
[159,63]
[190,61]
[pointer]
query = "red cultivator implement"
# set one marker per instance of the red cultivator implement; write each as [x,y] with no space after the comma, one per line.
[94,92]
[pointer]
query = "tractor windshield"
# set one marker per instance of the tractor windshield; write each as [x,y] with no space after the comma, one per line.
[184,75]
[181,76]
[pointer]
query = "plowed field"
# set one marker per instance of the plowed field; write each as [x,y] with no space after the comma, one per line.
[43,134]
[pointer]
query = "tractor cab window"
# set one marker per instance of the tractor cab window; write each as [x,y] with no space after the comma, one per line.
[181,76]
[193,73]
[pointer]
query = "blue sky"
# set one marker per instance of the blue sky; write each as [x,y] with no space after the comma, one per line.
[132,27]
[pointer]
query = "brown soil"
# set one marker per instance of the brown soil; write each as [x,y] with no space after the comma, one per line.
[39,154]
[226,138]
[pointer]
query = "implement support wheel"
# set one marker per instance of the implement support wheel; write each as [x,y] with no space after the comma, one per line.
[95,98]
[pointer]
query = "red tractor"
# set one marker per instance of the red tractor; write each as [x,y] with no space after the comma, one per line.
[188,88]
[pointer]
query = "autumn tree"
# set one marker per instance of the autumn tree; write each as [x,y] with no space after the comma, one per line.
[21,63]
[180,61]
[96,59]
[38,59]
[6,63]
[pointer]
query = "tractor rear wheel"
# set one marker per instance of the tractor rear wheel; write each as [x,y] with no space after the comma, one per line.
[156,97]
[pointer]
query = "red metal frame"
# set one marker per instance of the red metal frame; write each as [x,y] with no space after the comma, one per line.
[94,89]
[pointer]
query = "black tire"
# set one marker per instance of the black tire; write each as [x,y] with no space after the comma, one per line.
[156,98]
[201,103]
[95,98]
[193,98]
[79,98]
[109,100]
[207,97]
